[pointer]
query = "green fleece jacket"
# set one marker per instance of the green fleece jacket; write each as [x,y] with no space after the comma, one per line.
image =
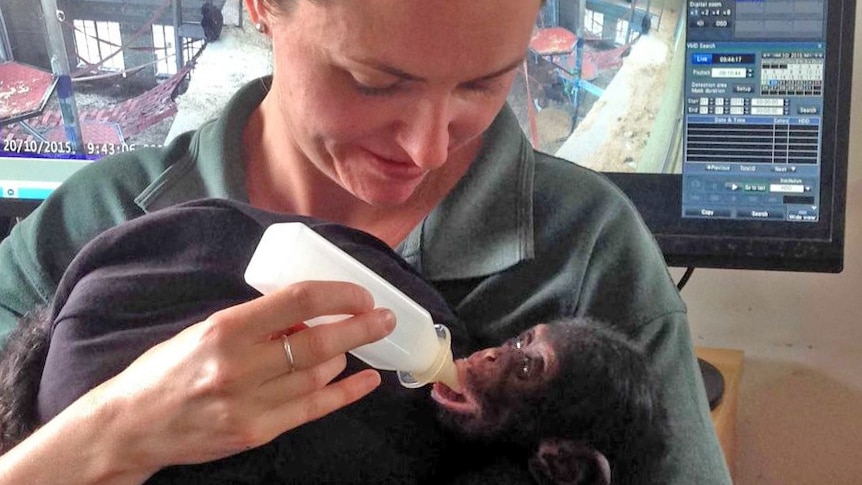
[523,238]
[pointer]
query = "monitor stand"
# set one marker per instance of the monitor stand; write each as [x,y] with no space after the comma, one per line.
[713,381]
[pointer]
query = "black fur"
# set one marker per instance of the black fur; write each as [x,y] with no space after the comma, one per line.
[20,372]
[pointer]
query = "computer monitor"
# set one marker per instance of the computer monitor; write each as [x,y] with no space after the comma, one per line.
[725,121]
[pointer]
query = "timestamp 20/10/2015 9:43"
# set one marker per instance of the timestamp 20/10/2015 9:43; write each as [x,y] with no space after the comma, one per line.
[44,147]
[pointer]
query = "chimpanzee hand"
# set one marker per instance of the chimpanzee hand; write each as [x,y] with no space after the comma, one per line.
[224,385]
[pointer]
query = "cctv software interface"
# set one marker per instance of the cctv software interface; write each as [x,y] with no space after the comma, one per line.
[753,109]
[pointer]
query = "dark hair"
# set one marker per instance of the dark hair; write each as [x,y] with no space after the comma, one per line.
[20,372]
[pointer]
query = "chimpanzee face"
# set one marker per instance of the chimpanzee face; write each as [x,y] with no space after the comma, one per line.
[498,381]
[574,394]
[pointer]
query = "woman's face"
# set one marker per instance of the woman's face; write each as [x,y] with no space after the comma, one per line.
[382,96]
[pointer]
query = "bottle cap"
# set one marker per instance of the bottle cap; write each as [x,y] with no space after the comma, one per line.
[443,368]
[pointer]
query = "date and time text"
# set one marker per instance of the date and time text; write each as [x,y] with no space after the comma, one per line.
[42,147]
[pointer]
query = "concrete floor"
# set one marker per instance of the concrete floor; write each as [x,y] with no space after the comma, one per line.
[240,55]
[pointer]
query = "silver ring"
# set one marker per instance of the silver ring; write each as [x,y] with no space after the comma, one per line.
[286,344]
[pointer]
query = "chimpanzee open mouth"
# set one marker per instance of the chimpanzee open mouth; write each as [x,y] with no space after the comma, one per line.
[454,401]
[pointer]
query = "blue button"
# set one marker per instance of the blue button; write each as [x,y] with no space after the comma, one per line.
[701,58]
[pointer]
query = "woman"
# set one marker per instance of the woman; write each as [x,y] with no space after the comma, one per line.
[387,116]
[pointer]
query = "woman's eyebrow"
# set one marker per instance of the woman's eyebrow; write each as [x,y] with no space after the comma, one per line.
[394,71]
[499,72]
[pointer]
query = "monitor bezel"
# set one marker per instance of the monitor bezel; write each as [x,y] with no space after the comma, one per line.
[785,246]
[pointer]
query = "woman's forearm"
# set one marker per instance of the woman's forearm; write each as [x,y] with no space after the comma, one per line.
[81,445]
[217,388]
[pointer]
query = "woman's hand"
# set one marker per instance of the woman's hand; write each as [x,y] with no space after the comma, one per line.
[225,384]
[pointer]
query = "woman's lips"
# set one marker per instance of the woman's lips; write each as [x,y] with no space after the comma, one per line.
[396,169]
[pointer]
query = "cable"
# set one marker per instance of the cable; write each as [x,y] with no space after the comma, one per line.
[685,278]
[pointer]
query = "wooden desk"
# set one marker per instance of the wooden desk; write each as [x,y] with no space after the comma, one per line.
[729,363]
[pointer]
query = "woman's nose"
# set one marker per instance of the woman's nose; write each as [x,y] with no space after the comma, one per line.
[424,133]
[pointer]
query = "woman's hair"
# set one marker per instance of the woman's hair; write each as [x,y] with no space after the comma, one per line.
[285,6]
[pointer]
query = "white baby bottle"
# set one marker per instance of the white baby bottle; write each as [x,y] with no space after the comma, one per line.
[417,349]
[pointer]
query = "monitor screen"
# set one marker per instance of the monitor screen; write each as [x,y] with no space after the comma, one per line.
[725,121]
[97,78]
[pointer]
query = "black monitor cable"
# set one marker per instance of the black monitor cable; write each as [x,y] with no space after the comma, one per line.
[685,278]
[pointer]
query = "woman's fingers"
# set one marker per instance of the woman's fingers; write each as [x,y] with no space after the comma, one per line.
[323,342]
[284,387]
[314,345]
[314,405]
[278,407]
[292,304]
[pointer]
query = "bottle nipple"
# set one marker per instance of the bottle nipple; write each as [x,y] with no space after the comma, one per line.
[448,374]
[443,368]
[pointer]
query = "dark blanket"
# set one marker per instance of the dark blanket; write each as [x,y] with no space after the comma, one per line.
[142,282]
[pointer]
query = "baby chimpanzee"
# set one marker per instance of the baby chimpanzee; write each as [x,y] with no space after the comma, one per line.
[574,395]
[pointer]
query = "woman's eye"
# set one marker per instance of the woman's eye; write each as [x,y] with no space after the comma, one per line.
[374,90]
[371,86]
[484,87]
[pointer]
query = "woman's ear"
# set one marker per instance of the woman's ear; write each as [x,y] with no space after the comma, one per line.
[257,13]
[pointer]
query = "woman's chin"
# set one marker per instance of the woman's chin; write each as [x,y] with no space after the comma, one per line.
[389,196]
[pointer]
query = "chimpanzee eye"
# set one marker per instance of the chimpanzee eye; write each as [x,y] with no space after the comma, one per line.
[522,341]
[531,364]
[524,372]
[532,367]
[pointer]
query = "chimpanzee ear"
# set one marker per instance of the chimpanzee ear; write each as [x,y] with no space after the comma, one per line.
[566,462]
